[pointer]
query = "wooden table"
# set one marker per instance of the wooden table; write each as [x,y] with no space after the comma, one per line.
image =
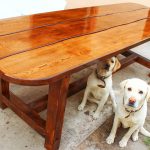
[47,48]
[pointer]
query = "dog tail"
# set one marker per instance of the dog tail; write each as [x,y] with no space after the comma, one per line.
[145,132]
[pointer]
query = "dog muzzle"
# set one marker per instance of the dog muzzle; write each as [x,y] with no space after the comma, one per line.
[132,102]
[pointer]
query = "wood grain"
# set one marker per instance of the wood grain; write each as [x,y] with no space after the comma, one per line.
[4,90]
[17,24]
[41,104]
[52,52]
[55,112]
[22,110]
[47,48]
[140,59]
[48,35]
[52,60]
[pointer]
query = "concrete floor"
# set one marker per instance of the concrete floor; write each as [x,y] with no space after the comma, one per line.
[97,140]
[15,134]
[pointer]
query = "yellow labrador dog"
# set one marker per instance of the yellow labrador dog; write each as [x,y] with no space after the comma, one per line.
[99,85]
[131,110]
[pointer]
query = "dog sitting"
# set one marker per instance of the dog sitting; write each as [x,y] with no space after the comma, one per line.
[99,85]
[131,110]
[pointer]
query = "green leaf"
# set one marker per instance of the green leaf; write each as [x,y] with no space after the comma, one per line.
[147,141]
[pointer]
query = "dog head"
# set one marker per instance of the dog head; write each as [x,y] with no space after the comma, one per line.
[135,93]
[107,67]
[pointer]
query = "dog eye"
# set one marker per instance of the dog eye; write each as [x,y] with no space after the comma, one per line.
[140,92]
[112,61]
[129,89]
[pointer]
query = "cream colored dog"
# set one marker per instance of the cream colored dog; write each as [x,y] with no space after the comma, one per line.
[99,85]
[131,110]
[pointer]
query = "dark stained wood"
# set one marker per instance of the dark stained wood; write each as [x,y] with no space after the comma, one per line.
[4,90]
[77,86]
[51,61]
[47,35]
[47,48]
[128,60]
[144,62]
[28,115]
[140,59]
[17,24]
[41,104]
[55,113]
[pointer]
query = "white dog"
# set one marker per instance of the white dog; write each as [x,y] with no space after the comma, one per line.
[99,85]
[131,110]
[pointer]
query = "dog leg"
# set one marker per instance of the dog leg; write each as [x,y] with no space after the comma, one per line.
[83,103]
[125,139]
[100,106]
[113,98]
[112,134]
[135,135]
[93,100]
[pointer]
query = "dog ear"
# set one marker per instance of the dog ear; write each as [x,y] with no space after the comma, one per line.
[117,65]
[123,84]
[148,93]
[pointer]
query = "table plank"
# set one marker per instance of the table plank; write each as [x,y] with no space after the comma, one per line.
[17,24]
[48,35]
[50,61]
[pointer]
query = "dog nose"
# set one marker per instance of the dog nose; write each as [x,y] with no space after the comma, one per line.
[107,66]
[132,100]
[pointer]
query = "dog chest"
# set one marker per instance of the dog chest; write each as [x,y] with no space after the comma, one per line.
[128,122]
[98,92]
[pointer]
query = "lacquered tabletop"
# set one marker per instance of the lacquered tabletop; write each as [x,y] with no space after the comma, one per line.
[42,46]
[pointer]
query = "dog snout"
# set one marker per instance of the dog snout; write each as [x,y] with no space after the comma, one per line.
[132,100]
[107,66]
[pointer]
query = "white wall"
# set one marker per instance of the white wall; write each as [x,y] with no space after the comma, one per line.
[83,3]
[11,8]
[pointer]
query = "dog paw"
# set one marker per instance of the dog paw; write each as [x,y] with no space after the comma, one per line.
[91,113]
[95,116]
[135,137]
[123,143]
[80,107]
[110,139]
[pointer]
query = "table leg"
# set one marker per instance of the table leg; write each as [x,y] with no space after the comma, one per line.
[55,112]
[4,90]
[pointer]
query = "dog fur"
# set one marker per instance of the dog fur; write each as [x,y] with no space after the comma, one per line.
[131,115]
[99,88]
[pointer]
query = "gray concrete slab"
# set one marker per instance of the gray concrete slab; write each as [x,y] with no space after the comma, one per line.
[15,134]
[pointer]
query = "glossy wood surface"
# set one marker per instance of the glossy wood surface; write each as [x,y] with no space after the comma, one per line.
[48,35]
[16,24]
[55,115]
[52,50]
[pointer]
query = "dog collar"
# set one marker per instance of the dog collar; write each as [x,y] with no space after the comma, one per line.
[102,78]
[132,111]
